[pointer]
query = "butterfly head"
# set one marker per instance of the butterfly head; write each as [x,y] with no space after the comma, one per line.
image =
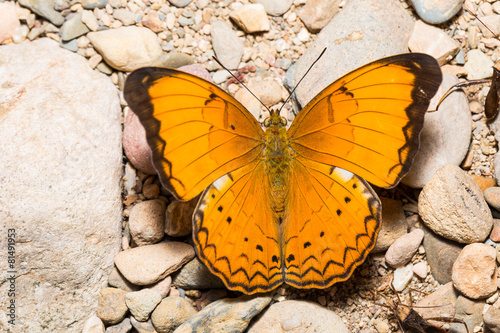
[275,120]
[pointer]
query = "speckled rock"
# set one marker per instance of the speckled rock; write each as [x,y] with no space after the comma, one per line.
[436,12]
[150,263]
[111,308]
[298,317]
[146,222]
[171,313]
[475,272]
[453,206]
[445,137]
[226,315]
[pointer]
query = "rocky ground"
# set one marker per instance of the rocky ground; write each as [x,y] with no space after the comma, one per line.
[62,69]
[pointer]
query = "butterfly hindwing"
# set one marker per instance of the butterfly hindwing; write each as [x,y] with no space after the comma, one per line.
[235,233]
[369,121]
[197,131]
[331,226]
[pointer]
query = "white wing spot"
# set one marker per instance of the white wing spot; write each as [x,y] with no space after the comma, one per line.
[219,183]
[343,174]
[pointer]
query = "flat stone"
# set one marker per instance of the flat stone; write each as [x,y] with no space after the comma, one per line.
[91,4]
[117,280]
[122,327]
[433,41]
[180,3]
[90,20]
[226,315]
[491,24]
[171,313]
[111,308]
[381,28]
[404,248]
[402,276]
[420,269]
[393,224]
[150,263]
[227,46]
[142,326]
[445,136]
[44,8]
[294,316]
[61,182]
[127,48]
[470,311]
[453,206]
[475,272]
[251,18]
[125,16]
[436,12]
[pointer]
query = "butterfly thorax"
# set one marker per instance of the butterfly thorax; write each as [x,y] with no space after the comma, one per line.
[277,161]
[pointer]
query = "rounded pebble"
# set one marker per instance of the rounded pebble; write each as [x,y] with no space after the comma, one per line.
[436,11]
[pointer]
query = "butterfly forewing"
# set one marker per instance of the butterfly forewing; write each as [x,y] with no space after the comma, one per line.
[369,121]
[191,125]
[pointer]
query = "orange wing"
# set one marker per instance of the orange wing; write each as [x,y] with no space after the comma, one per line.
[235,232]
[197,132]
[332,224]
[369,121]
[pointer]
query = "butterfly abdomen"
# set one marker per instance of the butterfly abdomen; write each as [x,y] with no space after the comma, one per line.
[277,163]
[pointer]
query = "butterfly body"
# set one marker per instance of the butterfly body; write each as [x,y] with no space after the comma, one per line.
[285,205]
[277,158]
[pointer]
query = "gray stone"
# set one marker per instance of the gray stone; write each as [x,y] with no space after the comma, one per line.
[123,327]
[44,8]
[298,317]
[436,12]
[491,320]
[171,313]
[73,28]
[381,28]
[195,275]
[71,45]
[440,303]
[445,137]
[60,181]
[393,224]
[180,3]
[91,4]
[470,311]
[226,315]
[227,46]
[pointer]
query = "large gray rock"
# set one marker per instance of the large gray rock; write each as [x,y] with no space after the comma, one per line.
[59,184]
[380,29]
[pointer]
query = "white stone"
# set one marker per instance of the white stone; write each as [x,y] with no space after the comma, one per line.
[402,276]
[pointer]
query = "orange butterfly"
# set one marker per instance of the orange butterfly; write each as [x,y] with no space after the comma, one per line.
[279,206]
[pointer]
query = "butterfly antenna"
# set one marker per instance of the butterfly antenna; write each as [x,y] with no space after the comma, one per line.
[477,18]
[303,76]
[234,76]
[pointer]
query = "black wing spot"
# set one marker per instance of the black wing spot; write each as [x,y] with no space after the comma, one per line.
[306,245]
[219,209]
[229,219]
[213,196]
[354,186]
[260,248]
[331,169]
[274,259]
[350,94]
[290,258]
[232,126]
[246,239]
[339,212]
[347,199]
[322,234]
